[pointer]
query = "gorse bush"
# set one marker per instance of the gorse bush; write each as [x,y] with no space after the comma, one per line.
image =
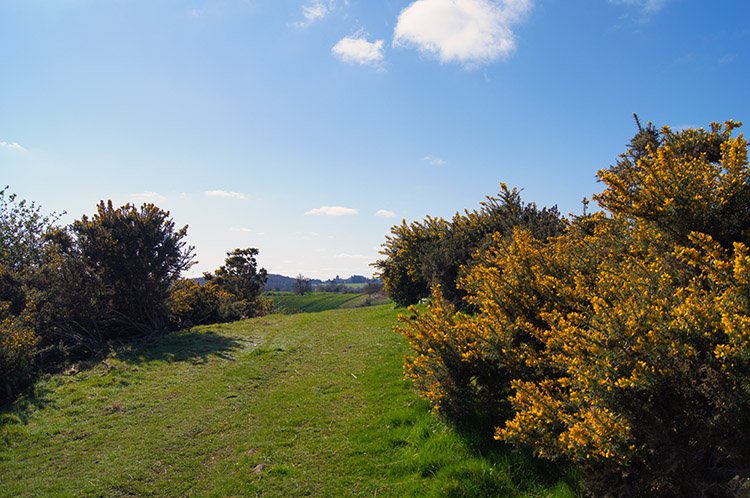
[233,292]
[435,252]
[17,336]
[137,254]
[107,278]
[71,291]
[22,251]
[238,284]
[623,344]
[191,303]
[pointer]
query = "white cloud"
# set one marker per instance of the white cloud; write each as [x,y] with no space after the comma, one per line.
[225,194]
[243,230]
[332,211]
[12,145]
[435,161]
[344,255]
[147,196]
[384,213]
[356,49]
[470,32]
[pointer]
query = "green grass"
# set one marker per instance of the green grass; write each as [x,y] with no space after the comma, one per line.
[279,406]
[311,302]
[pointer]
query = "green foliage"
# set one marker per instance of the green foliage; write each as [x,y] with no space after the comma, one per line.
[240,275]
[436,252]
[17,337]
[22,229]
[405,250]
[230,293]
[23,249]
[137,254]
[71,291]
[191,303]
[302,285]
[623,344]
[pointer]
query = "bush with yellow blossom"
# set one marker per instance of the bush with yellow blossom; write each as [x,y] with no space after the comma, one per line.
[625,341]
[17,337]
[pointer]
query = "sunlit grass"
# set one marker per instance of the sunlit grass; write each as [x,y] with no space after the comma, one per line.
[310,302]
[280,406]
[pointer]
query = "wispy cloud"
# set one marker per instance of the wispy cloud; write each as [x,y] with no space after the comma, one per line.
[332,211]
[147,196]
[225,194]
[312,12]
[384,213]
[434,160]
[645,8]
[243,230]
[316,10]
[344,255]
[357,50]
[470,32]
[728,59]
[11,145]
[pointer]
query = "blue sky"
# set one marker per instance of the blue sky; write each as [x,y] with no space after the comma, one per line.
[307,128]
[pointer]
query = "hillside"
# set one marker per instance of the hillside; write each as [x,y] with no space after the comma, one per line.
[282,283]
[280,406]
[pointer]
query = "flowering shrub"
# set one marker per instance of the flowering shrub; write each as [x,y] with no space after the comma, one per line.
[191,303]
[17,337]
[447,366]
[622,345]
[436,252]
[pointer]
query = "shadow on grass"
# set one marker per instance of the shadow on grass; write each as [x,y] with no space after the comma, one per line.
[31,399]
[185,346]
[478,431]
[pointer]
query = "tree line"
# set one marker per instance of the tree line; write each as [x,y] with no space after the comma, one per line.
[71,292]
[617,341]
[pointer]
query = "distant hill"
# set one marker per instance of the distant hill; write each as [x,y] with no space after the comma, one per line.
[282,283]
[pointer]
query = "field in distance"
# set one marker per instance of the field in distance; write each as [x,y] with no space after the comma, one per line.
[311,302]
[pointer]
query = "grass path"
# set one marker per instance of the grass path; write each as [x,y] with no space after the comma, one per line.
[280,406]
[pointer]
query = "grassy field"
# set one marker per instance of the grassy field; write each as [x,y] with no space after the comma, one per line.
[312,302]
[279,406]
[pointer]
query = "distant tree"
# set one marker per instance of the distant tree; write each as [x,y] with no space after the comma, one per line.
[333,287]
[372,288]
[240,275]
[302,284]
